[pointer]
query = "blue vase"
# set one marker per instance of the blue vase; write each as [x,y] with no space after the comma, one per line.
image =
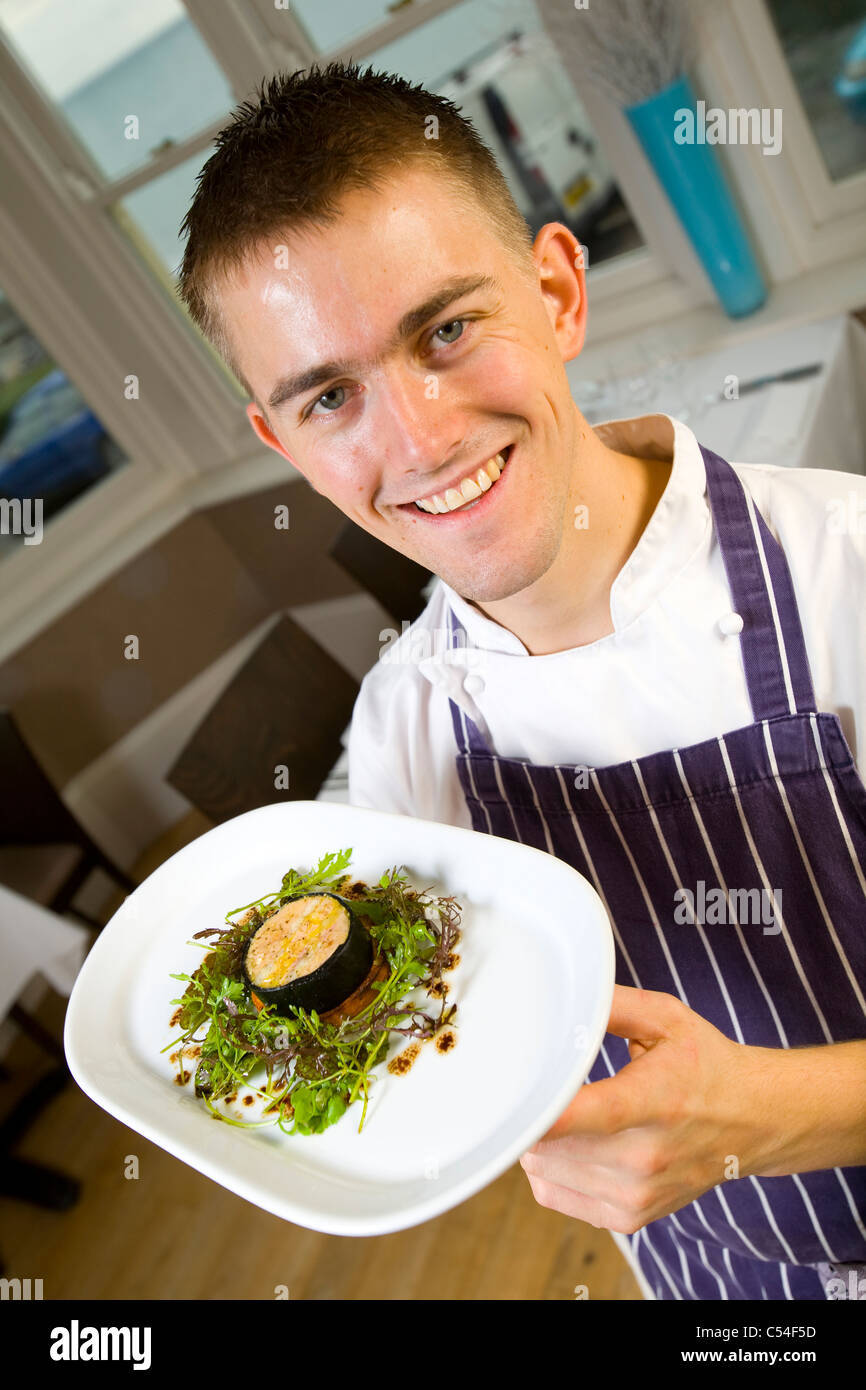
[693,180]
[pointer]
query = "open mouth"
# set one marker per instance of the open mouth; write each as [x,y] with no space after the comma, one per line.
[479,495]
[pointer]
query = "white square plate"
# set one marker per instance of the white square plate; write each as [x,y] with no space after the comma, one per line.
[533,988]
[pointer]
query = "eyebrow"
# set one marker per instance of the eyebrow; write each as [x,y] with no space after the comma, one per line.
[288,387]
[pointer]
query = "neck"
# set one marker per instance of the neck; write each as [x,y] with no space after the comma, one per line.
[569,605]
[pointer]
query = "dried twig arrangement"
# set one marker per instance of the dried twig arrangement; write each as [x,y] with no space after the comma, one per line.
[630,49]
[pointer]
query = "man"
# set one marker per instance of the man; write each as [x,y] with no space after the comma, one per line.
[617,666]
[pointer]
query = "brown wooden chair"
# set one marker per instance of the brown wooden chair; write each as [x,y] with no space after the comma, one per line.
[287,708]
[45,854]
[393,580]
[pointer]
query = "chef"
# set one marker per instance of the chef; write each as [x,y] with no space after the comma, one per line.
[635,656]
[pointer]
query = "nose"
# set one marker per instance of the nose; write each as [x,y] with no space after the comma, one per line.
[415,430]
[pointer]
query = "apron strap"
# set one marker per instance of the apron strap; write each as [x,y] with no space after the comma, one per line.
[772,643]
[467,733]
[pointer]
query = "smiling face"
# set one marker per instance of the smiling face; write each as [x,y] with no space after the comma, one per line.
[437,352]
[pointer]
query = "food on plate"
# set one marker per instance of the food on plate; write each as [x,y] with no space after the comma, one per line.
[313,952]
[301,992]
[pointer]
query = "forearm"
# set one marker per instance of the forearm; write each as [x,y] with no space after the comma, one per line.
[814,1108]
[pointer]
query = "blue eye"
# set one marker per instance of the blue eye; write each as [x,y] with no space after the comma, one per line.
[324,396]
[458,323]
[328,392]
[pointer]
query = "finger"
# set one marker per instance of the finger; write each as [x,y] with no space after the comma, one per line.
[612,1185]
[643,1015]
[580,1207]
[609,1106]
[602,1150]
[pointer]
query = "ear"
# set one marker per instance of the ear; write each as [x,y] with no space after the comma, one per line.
[559,258]
[264,432]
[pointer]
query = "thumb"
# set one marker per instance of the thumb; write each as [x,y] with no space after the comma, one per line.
[642,1016]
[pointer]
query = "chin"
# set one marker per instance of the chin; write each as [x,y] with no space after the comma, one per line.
[492,583]
[502,569]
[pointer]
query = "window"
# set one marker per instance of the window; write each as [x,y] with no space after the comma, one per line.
[53,448]
[128,80]
[134,86]
[332,26]
[825,47]
[808,203]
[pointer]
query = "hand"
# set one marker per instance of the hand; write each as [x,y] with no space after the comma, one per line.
[689,1110]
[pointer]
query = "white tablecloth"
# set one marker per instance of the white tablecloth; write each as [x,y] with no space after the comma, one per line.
[817,422]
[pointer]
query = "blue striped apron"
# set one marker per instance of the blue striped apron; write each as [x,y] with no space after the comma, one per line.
[777,807]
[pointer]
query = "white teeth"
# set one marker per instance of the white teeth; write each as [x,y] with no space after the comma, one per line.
[470,488]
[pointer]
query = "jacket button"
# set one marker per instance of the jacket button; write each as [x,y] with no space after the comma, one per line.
[473,684]
[730,625]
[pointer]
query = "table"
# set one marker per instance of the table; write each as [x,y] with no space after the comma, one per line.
[818,422]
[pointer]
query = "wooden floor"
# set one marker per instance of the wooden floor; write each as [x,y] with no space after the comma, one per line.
[173,1234]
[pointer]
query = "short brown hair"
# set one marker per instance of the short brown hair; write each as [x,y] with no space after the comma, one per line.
[285,162]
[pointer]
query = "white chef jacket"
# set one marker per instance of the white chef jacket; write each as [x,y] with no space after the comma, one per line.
[668,676]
